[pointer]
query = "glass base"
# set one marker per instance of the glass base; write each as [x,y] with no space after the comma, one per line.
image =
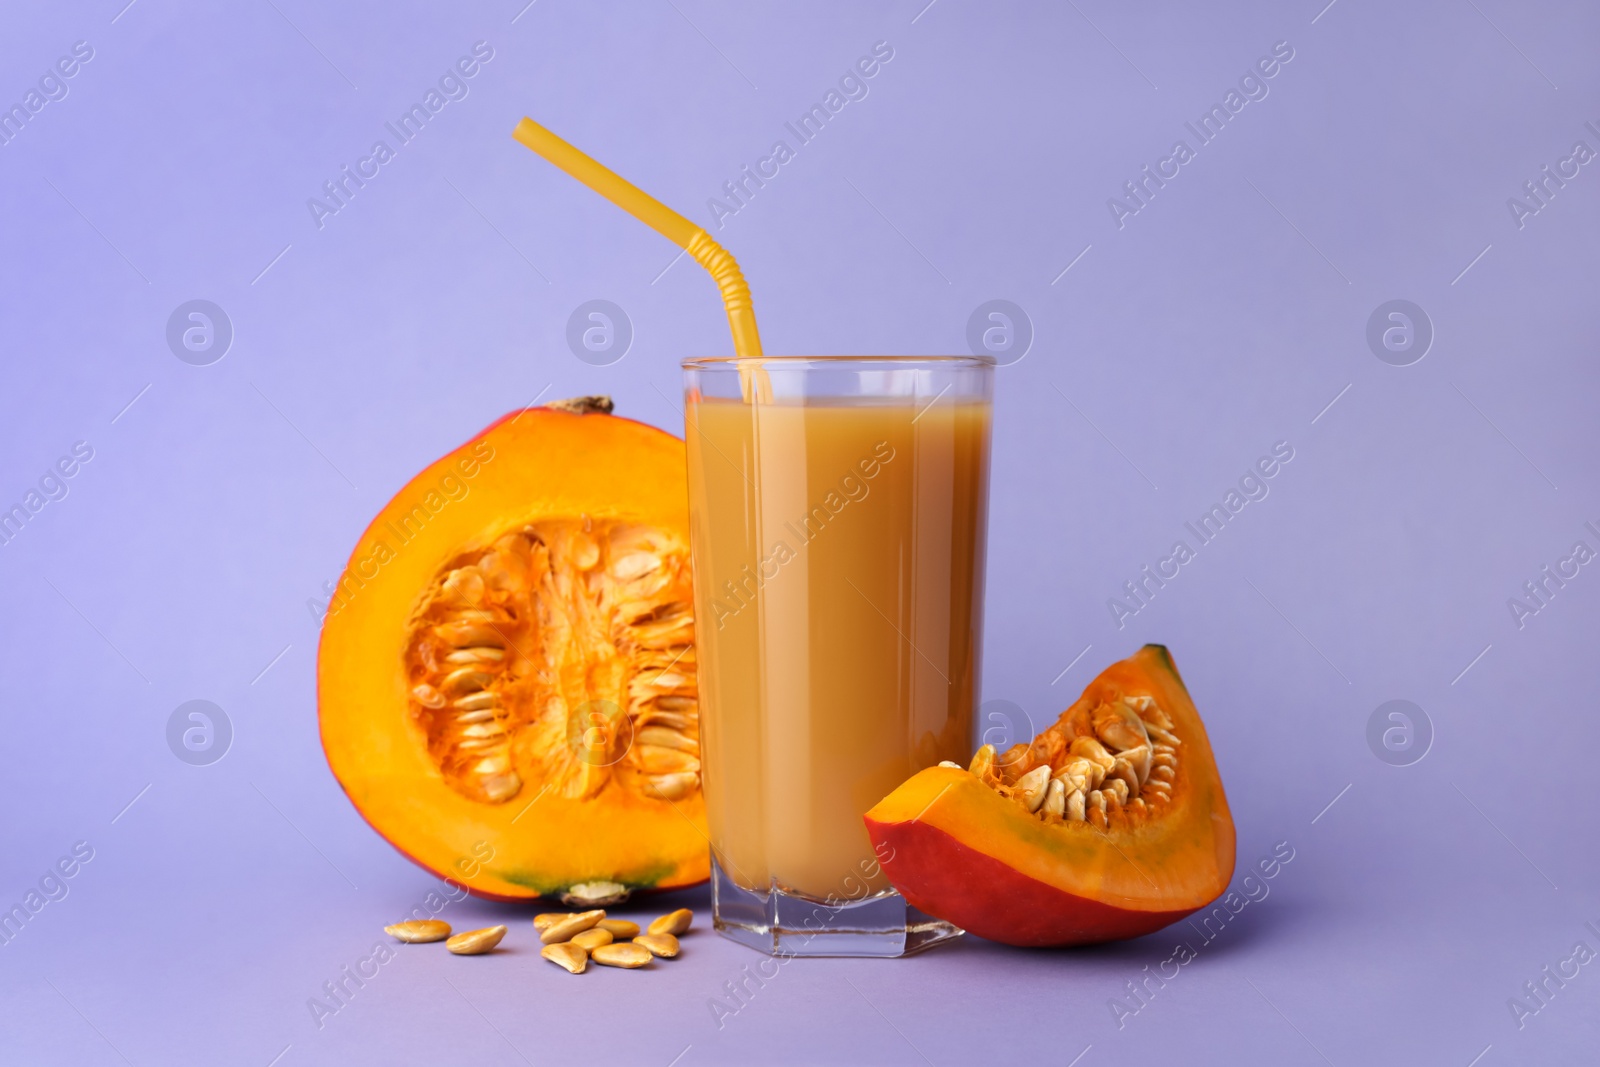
[783,924]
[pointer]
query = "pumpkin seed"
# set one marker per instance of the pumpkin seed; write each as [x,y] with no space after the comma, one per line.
[671,786]
[564,930]
[592,939]
[419,931]
[663,945]
[1031,787]
[1142,757]
[566,955]
[1081,774]
[1055,798]
[1164,736]
[476,654]
[1075,806]
[427,696]
[621,929]
[674,923]
[1124,772]
[621,954]
[476,942]
[666,737]
[1119,726]
[1094,751]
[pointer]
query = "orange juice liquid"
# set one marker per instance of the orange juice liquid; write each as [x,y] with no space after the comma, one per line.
[838,570]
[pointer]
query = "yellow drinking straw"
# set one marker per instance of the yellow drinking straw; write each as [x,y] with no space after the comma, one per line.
[674,227]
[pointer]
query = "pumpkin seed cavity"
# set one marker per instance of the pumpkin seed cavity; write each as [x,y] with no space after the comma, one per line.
[1113,763]
[561,657]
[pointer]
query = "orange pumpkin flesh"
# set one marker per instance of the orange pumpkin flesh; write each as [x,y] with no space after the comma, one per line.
[506,674]
[964,848]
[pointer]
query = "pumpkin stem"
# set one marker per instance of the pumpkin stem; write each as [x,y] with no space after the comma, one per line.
[583,405]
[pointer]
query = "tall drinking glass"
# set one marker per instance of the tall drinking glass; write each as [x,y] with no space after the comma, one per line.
[838,508]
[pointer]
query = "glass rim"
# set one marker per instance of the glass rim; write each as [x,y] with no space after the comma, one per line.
[733,362]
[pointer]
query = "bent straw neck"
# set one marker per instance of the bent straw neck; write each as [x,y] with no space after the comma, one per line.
[692,238]
[724,270]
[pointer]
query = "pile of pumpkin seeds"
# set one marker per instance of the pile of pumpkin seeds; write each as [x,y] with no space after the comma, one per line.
[570,939]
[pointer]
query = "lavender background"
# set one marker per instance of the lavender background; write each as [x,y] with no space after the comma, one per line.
[1228,314]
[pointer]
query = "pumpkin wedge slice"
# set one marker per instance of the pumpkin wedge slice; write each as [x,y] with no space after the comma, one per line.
[1112,823]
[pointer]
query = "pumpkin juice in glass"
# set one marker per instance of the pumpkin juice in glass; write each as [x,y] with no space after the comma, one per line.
[837,516]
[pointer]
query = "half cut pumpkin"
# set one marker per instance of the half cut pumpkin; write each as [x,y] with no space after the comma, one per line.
[506,679]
